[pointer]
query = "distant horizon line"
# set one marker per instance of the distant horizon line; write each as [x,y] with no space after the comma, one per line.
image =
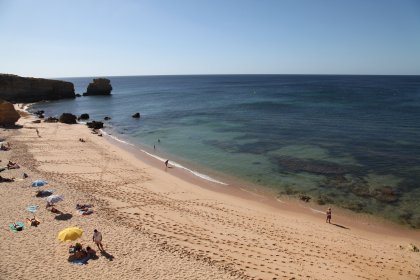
[175,75]
[161,75]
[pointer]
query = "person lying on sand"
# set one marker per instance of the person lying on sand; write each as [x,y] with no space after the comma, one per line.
[83,206]
[34,222]
[2,179]
[12,165]
[17,227]
[5,148]
[91,253]
[55,210]
[85,211]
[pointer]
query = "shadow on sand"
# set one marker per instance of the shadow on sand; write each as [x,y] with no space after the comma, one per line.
[340,226]
[63,217]
[107,255]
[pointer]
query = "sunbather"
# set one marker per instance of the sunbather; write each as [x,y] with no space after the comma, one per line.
[12,165]
[55,210]
[34,222]
[17,227]
[2,179]
[83,206]
[91,253]
[85,211]
[4,148]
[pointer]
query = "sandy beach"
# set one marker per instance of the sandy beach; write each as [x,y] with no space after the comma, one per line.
[158,225]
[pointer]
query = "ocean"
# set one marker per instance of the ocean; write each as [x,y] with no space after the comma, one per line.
[351,141]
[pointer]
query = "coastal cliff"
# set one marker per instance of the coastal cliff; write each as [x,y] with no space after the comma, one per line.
[18,89]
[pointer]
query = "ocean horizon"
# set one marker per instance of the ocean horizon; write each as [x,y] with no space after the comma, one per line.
[346,140]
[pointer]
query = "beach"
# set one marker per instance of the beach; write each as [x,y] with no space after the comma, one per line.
[158,225]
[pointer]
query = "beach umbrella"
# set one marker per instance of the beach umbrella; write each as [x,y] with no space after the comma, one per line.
[52,199]
[70,234]
[39,183]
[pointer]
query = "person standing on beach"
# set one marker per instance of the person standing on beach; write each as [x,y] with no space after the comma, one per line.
[37,132]
[97,238]
[328,216]
[167,162]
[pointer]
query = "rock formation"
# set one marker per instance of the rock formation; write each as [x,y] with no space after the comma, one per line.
[95,125]
[84,116]
[68,118]
[136,115]
[99,86]
[8,114]
[25,90]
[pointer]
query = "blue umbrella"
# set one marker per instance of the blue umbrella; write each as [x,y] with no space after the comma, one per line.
[39,183]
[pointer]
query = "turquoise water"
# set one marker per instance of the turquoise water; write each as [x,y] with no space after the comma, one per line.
[345,140]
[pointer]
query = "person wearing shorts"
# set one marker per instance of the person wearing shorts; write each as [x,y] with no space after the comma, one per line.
[97,238]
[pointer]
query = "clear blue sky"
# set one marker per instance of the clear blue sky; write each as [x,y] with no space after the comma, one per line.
[60,38]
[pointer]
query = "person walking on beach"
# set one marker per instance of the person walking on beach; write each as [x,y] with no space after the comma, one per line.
[97,238]
[37,132]
[328,216]
[167,162]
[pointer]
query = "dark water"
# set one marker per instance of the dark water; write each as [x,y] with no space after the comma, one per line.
[347,140]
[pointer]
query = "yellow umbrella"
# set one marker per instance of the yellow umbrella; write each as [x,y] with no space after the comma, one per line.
[70,234]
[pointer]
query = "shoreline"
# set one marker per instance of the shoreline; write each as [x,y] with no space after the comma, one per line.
[233,186]
[361,221]
[158,226]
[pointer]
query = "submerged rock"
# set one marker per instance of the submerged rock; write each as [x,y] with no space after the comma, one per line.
[100,86]
[8,114]
[386,194]
[136,115]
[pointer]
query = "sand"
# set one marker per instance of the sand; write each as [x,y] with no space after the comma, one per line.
[158,225]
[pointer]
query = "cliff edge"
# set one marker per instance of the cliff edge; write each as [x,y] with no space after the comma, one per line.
[18,89]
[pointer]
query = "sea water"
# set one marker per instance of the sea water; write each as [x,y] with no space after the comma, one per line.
[352,141]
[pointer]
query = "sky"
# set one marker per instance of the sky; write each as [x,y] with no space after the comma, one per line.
[72,38]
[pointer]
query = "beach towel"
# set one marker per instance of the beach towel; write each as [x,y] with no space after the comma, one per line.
[32,208]
[12,227]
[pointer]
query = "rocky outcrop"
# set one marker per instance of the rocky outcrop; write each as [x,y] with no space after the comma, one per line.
[18,89]
[67,118]
[84,116]
[95,125]
[99,86]
[136,115]
[8,114]
[51,120]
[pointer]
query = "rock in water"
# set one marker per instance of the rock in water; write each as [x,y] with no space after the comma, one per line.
[99,86]
[8,114]
[68,118]
[84,116]
[136,115]
[18,89]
